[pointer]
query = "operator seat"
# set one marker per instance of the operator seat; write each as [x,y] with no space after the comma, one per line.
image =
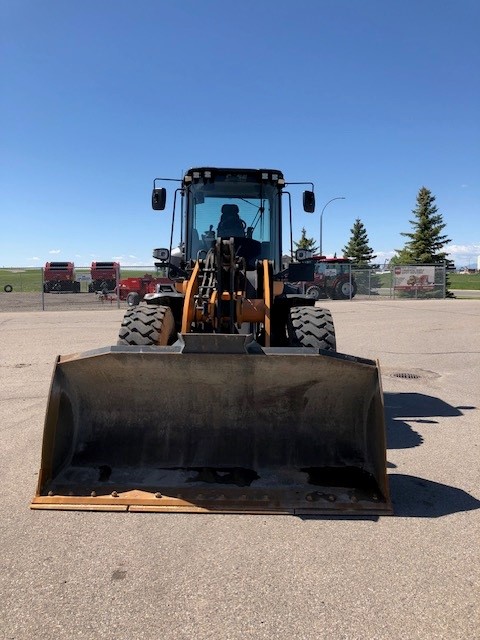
[230,222]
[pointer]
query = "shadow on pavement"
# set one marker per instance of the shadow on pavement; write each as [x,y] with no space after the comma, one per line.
[413,407]
[414,497]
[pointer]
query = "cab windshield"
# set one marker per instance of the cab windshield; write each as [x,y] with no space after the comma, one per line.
[228,207]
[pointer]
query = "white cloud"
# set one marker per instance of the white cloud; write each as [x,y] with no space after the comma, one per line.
[463,248]
[35,258]
[133,261]
[55,251]
[383,256]
[463,254]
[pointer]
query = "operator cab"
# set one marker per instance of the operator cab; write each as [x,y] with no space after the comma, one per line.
[244,204]
[240,204]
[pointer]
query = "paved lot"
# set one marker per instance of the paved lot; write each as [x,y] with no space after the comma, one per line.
[35,301]
[130,576]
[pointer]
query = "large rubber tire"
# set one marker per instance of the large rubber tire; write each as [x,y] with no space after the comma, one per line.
[133,298]
[311,327]
[8,288]
[314,292]
[342,290]
[147,325]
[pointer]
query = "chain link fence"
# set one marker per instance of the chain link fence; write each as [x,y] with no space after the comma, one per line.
[401,281]
[37,289]
[28,289]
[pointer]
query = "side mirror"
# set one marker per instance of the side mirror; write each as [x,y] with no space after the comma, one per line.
[159,199]
[308,201]
[161,254]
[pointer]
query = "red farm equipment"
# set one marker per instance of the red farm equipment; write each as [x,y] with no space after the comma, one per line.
[134,289]
[59,277]
[104,276]
[332,279]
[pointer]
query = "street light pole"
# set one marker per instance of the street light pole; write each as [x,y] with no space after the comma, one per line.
[321,219]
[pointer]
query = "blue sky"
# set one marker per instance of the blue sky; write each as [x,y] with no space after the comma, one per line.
[370,100]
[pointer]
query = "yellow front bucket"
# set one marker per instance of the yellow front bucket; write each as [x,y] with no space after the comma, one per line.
[214,423]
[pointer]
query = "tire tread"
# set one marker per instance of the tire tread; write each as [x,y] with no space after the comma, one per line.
[145,325]
[311,327]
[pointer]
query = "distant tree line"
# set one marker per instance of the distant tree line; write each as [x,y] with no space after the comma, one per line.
[424,245]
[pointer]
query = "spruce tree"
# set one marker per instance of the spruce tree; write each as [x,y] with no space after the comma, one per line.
[358,247]
[305,243]
[426,240]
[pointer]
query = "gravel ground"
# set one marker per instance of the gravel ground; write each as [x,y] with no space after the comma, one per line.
[116,576]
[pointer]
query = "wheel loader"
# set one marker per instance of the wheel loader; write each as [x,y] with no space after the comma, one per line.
[225,392]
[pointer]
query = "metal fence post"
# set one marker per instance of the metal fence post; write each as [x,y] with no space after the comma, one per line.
[43,289]
[117,269]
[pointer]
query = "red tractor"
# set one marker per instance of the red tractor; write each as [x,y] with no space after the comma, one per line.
[104,276]
[59,277]
[332,279]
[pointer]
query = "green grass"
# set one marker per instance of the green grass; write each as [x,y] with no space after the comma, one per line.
[21,279]
[130,273]
[468,281]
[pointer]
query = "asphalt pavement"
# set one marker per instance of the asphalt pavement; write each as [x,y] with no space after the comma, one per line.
[115,576]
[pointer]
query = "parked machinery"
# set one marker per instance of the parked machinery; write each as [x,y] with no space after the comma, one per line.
[333,278]
[104,276]
[133,289]
[225,392]
[59,277]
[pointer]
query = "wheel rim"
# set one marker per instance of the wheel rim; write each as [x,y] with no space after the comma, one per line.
[346,289]
[313,292]
[133,299]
